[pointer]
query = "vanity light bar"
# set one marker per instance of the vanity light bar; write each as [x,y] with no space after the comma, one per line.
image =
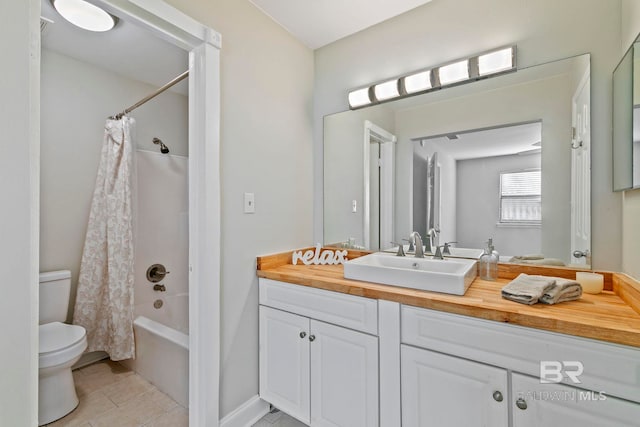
[484,65]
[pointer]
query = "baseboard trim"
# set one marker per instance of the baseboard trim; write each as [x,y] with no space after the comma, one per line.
[246,414]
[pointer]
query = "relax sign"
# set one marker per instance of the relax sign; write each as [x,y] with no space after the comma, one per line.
[319,256]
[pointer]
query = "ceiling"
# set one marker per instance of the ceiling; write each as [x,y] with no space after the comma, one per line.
[126,50]
[135,53]
[502,141]
[317,23]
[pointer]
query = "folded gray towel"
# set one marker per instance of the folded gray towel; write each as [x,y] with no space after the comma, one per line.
[527,289]
[563,290]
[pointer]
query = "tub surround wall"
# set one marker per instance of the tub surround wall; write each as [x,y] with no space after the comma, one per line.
[425,36]
[162,236]
[76,99]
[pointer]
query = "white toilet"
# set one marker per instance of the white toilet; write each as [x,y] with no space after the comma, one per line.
[61,346]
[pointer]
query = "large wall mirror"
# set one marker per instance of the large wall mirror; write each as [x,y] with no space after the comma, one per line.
[626,121]
[506,158]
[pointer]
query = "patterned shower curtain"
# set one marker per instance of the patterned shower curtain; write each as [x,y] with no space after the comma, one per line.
[104,301]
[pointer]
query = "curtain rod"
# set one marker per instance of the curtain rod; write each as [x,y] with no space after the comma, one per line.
[149,97]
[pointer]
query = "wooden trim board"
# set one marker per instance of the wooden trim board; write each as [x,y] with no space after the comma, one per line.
[628,289]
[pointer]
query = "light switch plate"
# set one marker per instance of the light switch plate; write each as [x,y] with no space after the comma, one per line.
[249,203]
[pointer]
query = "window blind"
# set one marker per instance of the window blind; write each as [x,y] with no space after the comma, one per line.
[521,196]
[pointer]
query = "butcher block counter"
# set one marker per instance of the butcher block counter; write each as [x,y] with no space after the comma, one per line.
[612,316]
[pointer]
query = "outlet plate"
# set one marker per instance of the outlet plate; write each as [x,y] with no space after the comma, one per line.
[249,203]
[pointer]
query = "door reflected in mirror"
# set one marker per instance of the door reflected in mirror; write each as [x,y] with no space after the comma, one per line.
[507,158]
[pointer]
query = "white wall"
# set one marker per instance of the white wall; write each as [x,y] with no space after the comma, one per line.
[444,30]
[478,206]
[76,99]
[19,144]
[631,206]
[266,148]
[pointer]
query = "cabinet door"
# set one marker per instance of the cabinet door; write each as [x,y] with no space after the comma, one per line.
[441,390]
[344,377]
[284,361]
[539,405]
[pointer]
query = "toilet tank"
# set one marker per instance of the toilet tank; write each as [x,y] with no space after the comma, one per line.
[55,288]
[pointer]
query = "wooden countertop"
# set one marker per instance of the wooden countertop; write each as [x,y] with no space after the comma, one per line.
[612,316]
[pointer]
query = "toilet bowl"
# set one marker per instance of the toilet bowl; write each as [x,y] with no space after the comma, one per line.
[61,346]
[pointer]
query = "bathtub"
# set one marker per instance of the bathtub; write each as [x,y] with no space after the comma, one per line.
[162,346]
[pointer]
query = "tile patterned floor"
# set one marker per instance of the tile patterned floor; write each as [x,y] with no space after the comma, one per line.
[112,395]
[278,419]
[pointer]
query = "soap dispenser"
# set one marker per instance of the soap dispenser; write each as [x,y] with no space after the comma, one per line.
[493,249]
[489,262]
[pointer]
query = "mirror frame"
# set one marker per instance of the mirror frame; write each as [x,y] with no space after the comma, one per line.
[622,122]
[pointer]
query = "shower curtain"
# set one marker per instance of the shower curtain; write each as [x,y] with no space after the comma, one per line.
[104,301]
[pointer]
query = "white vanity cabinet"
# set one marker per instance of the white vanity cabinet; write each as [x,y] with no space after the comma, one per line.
[319,355]
[443,390]
[560,405]
[458,371]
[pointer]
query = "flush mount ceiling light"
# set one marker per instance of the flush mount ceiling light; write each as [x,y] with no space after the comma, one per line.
[85,15]
[487,64]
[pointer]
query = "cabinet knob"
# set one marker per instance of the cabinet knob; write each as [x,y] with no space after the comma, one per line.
[312,338]
[521,403]
[497,396]
[303,334]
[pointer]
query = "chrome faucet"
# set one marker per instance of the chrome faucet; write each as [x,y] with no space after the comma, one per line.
[433,237]
[417,241]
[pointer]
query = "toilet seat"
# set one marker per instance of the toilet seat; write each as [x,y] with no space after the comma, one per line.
[60,343]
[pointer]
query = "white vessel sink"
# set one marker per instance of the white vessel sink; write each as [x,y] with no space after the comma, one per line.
[449,276]
[455,252]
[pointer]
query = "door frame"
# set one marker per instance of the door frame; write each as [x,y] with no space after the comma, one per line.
[203,44]
[386,186]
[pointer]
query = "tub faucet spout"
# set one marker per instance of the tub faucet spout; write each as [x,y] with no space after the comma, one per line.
[158,287]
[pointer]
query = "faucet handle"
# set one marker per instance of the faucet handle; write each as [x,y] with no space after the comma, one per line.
[411,247]
[400,249]
[446,250]
[438,254]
